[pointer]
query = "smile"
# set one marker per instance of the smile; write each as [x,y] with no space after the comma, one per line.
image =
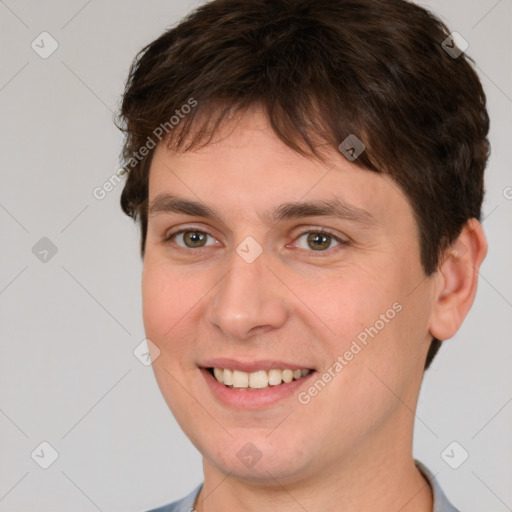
[257,380]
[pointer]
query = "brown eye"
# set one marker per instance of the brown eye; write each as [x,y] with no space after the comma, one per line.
[317,241]
[190,239]
[194,238]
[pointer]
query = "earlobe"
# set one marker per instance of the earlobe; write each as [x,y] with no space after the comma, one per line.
[457,280]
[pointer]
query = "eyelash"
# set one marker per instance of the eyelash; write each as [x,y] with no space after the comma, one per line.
[319,231]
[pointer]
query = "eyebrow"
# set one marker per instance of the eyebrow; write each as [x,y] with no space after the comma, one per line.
[168,203]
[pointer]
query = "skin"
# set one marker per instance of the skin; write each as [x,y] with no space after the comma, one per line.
[350,447]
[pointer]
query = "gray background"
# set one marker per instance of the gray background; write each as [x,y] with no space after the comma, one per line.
[69,325]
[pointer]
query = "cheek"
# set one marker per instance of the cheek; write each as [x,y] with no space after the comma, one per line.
[385,369]
[167,306]
[377,331]
[157,304]
[354,305]
[165,301]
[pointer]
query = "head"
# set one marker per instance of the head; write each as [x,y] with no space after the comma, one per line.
[350,147]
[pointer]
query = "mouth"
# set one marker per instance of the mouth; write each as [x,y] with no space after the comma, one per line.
[257,380]
[254,384]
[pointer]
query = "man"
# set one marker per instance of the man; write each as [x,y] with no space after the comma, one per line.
[308,178]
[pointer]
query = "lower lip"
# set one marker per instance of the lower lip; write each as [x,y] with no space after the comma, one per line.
[246,399]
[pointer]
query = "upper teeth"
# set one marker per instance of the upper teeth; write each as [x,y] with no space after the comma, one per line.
[256,380]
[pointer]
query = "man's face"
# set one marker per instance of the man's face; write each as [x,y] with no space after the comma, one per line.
[264,287]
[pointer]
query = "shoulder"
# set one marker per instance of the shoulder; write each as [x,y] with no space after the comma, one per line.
[441,503]
[186,504]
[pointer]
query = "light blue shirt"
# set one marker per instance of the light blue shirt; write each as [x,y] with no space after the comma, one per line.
[441,503]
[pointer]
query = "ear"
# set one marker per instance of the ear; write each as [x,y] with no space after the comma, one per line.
[457,278]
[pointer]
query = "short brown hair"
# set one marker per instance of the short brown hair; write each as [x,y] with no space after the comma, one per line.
[322,70]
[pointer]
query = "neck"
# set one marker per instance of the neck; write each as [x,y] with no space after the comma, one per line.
[377,478]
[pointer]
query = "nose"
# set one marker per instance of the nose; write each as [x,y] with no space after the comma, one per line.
[249,300]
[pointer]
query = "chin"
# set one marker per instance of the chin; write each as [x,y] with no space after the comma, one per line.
[257,461]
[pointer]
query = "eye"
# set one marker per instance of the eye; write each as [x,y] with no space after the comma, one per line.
[190,239]
[318,241]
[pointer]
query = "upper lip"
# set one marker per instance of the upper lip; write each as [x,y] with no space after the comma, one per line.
[252,366]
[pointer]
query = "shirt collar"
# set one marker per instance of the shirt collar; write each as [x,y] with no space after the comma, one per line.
[441,503]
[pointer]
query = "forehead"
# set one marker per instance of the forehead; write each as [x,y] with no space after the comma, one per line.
[247,168]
